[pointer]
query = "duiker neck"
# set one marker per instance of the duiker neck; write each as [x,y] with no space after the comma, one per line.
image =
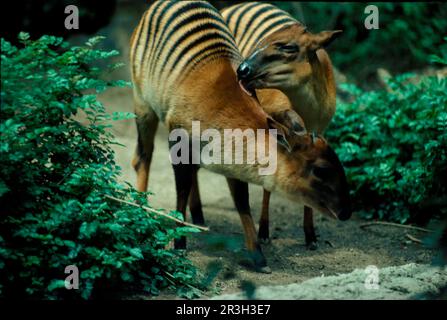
[217,101]
[312,99]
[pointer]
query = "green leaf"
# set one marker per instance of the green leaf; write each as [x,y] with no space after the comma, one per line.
[23,36]
[57,164]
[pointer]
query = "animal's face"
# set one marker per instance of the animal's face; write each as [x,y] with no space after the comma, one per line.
[282,60]
[319,177]
[326,186]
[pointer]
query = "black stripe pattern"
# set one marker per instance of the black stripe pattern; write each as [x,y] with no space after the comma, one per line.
[175,36]
[253,21]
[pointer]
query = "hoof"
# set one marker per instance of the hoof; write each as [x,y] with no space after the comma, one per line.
[312,245]
[265,240]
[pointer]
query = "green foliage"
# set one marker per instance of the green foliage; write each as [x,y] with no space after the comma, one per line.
[435,59]
[407,32]
[393,144]
[56,174]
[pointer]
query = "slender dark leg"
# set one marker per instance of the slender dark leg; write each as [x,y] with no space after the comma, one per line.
[183,181]
[263,234]
[309,231]
[147,125]
[195,205]
[239,192]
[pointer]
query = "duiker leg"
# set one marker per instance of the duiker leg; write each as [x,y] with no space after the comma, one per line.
[239,192]
[195,205]
[309,230]
[263,233]
[183,181]
[147,124]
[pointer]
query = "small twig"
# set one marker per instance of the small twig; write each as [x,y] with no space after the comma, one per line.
[409,236]
[159,213]
[391,224]
[172,282]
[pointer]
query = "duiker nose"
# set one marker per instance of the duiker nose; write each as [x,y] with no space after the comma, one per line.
[244,71]
[344,214]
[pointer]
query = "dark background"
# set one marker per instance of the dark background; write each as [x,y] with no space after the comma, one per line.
[409,31]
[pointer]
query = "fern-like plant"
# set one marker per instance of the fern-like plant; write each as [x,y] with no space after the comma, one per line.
[56,174]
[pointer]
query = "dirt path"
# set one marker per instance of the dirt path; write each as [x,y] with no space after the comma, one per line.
[410,281]
[343,246]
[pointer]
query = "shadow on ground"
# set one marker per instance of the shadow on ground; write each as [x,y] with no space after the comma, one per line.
[343,246]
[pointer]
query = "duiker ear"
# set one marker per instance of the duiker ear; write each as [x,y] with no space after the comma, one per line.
[291,120]
[282,136]
[323,39]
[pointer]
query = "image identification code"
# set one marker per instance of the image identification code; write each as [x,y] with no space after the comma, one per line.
[225,309]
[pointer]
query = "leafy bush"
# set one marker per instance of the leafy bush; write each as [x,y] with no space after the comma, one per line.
[56,174]
[408,31]
[393,144]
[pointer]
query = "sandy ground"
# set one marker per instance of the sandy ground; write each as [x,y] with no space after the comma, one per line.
[410,281]
[343,246]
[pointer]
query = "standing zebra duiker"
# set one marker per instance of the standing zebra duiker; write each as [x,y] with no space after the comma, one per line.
[281,54]
[183,62]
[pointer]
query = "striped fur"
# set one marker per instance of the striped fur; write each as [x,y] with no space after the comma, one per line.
[184,62]
[253,21]
[258,27]
[314,101]
[175,37]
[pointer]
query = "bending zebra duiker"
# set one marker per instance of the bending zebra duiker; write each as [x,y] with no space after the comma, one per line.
[281,54]
[183,62]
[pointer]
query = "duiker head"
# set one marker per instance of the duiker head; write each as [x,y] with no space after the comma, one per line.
[318,179]
[283,59]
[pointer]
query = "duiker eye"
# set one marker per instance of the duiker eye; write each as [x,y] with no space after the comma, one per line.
[288,47]
[322,172]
